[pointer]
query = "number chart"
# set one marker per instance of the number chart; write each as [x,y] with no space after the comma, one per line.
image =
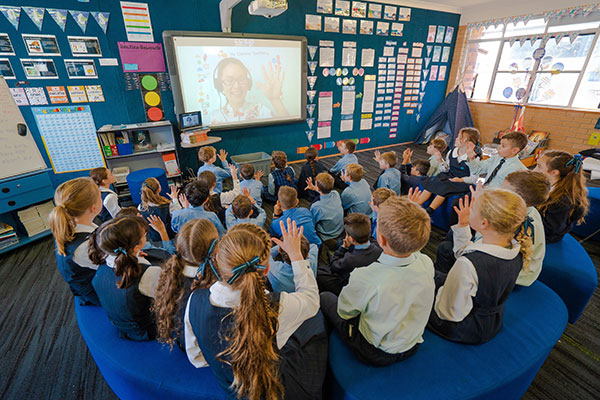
[69,134]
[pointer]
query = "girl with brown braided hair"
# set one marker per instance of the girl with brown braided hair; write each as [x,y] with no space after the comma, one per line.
[190,268]
[260,345]
[568,202]
[125,282]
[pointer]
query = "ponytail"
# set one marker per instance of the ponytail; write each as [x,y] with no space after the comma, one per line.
[73,199]
[127,267]
[150,194]
[525,237]
[95,254]
[313,168]
[168,295]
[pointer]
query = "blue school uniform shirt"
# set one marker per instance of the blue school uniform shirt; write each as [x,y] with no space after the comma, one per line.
[374,225]
[356,197]
[303,218]
[342,162]
[479,167]
[220,173]
[180,217]
[231,220]
[255,189]
[328,215]
[280,273]
[391,178]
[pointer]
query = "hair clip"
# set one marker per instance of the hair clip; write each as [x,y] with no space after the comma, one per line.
[208,260]
[576,161]
[248,266]
[120,250]
[527,228]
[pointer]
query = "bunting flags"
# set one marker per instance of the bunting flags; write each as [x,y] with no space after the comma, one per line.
[36,14]
[59,16]
[81,17]
[12,14]
[102,19]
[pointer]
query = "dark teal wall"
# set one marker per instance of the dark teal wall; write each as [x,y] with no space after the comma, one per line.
[123,106]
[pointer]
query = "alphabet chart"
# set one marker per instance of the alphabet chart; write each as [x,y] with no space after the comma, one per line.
[69,135]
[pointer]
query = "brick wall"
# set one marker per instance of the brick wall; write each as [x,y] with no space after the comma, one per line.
[569,130]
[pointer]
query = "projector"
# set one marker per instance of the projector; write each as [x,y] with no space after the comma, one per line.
[267,8]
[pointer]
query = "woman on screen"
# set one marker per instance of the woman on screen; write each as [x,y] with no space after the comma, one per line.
[233,80]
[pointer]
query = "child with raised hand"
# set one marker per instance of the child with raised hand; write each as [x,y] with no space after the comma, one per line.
[382,312]
[78,202]
[259,345]
[455,166]
[153,204]
[390,177]
[208,155]
[125,282]
[242,210]
[311,169]
[377,198]
[218,202]
[103,177]
[469,304]
[346,148]
[282,175]
[356,251]
[252,182]
[196,195]
[287,207]
[190,268]
[280,273]
[327,212]
[355,198]
[413,174]
[568,202]
[436,149]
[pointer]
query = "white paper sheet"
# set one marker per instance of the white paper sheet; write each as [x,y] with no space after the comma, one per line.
[326,56]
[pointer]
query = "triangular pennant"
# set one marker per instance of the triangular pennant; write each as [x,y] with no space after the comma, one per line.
[102,19]
[81,17]
[487,24]
[311,109]
[496,23]
[311,95]
[311,81]
[512,41]
[312,65]
[425,73]
[429,48]
[312,50]
[36,14]
[421,95]
[423,84]
[427,61]
[573,36]
[59,16]
[310,122]
[589,9]
[12,14]
[418,117]
[523,40]
[545,39]
[309,135]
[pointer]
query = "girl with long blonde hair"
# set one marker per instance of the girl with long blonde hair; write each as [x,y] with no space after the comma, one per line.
[152,203]
[78,202]
[259,345]
[469,304]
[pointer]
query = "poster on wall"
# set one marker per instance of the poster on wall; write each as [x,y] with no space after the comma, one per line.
[39,68]
[57,94]
[138,25]
[6,47]
[83,46]
[41,45]
[81,69]
[6,69]
[325,6]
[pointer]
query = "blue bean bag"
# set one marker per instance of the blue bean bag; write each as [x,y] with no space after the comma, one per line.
[136,179]
[503,368]
[569,271]
[441,216]
[142,370]
[592,219]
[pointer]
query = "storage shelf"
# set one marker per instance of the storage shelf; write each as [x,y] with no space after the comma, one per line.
[23,240]
[139,153]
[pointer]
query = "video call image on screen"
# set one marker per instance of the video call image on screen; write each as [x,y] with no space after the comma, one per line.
[235,81]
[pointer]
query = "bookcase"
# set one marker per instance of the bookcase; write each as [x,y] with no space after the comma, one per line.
[139,146]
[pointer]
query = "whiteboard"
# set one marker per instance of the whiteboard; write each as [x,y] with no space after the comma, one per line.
[18,154]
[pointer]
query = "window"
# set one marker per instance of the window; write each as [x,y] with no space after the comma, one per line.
[536,62]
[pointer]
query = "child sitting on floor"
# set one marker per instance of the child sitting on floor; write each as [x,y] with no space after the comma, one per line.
[208,155]
[436,149]
[347,148]
[280,273]
[327,212]
[103,177]
[311,169]
[382,312]
[390,177]
[469,304]
[196,195]
[568,201]
[241,210]
[356,251]
[287,207]
[218,202]
[413,174]
[282,175]
[356,197]
[251,182]
[377,198]
[152,203]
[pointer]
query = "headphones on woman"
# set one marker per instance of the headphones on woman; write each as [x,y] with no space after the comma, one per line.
[218,83]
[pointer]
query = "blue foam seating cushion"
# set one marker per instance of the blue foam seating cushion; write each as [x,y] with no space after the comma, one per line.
[135,180]
[441,216]
[569,271]
[143,370]
[502,368]
[592,219]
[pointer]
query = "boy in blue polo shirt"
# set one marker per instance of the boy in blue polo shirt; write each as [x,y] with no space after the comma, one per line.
[346,147]
[208,155]
[196,194]
[327,212]
[281,275]
[390,177]
[251,181]
[287,207]
[356,197]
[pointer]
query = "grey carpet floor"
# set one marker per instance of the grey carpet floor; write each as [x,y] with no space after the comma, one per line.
[43,355]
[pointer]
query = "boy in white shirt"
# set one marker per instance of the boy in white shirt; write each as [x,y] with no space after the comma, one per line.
[382,312]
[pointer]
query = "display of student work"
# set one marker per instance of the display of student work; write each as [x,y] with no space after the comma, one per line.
[238,80]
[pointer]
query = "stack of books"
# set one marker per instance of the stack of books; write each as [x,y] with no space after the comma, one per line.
[8,236]
[195,136]
[36,219]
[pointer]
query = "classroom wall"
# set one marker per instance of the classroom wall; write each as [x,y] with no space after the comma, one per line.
[123,106]
[569,130]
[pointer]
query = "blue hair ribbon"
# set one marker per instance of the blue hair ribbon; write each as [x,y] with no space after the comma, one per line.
[208,260]
[576,161]
[527,228]
[248,266]
[120,250]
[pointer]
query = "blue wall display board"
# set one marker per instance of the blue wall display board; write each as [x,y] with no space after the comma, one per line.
[377,73]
